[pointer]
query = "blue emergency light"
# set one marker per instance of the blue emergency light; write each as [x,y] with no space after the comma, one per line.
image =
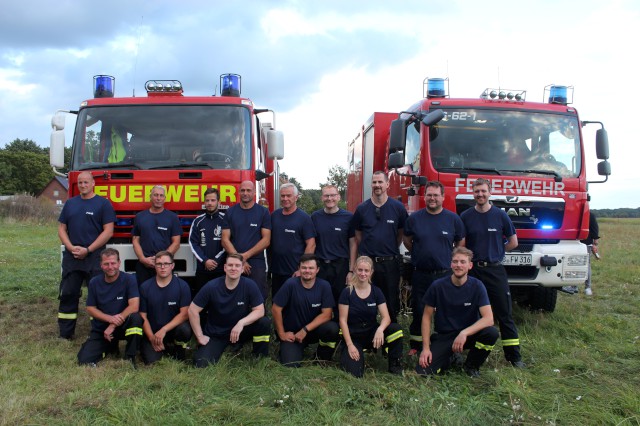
[230,85]
[558,95]
[186,221]
[435,88]
[124,221]
[103,86]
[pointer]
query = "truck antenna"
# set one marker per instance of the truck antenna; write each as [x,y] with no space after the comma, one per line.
[135,65]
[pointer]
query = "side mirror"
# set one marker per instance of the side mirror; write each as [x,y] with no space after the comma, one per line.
[602,144]
[419,180]
[56,149]
[397,135]
[396,160]
[57,121]
[275,145]
[604,168]
[433,117]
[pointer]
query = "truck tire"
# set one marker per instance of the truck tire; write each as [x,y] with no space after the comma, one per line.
[543,299]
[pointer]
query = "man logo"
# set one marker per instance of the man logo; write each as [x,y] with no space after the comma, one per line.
[512,199]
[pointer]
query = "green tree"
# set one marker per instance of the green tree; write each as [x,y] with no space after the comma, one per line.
[23,171]
[67,156]
[22,145]
[309,200]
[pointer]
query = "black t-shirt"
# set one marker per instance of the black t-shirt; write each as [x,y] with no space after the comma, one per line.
[162,304]
[363,313]
[226,307]
[111,298]
[302,305]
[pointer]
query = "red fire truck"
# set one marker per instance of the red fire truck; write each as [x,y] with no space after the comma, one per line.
[533,154]
[185,143]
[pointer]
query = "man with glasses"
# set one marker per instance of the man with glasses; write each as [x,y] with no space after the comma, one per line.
[164,301]
[155,229]
[335,242]
[379,224]
[430,234]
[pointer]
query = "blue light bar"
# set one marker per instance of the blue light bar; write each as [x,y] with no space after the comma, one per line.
[230,85]
[124,221]
[103,86]
[435,88]
[547,226]
[558,95]
[186,221]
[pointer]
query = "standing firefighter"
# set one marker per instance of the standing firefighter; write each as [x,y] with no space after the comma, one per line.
[205,240]
[487,226]
[86,224]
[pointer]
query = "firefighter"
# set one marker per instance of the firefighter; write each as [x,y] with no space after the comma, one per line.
[155,229]
[302,315]
[486,226]
[359,305]
[85,226]
[247,231]
[112,302]
[164,301]
[235,314]
[205,240]
[335,242]
[379,224]
[292,235]
[463,320]
[430,235]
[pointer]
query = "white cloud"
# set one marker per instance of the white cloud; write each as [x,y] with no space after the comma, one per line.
[325,67]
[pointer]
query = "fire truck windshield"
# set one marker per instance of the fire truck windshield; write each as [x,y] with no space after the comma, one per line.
[163,136]
[506,142]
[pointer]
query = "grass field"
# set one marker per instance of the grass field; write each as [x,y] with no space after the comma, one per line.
[584,363]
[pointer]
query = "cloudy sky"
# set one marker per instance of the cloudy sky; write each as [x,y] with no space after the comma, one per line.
[324,66]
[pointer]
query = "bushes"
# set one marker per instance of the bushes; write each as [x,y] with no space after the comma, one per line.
[26,208]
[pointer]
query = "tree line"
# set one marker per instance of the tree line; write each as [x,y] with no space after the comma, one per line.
[311,199]
[618,213]
[24,167]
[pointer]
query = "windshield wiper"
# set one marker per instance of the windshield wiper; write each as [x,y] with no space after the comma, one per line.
[181,164]
[469,170]
[109,166]
[540,172]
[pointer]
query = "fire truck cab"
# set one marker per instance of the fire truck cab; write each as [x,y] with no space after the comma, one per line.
[185,143]
[532,153]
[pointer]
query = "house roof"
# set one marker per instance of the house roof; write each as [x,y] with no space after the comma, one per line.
[63,181]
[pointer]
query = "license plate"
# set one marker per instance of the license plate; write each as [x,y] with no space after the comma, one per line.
[517,259]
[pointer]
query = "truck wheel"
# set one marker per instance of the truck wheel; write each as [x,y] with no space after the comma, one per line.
[543,298]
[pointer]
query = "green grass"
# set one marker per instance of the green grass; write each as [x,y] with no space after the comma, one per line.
[584,363]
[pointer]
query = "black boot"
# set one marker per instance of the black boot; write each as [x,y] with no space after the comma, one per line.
[395,366]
